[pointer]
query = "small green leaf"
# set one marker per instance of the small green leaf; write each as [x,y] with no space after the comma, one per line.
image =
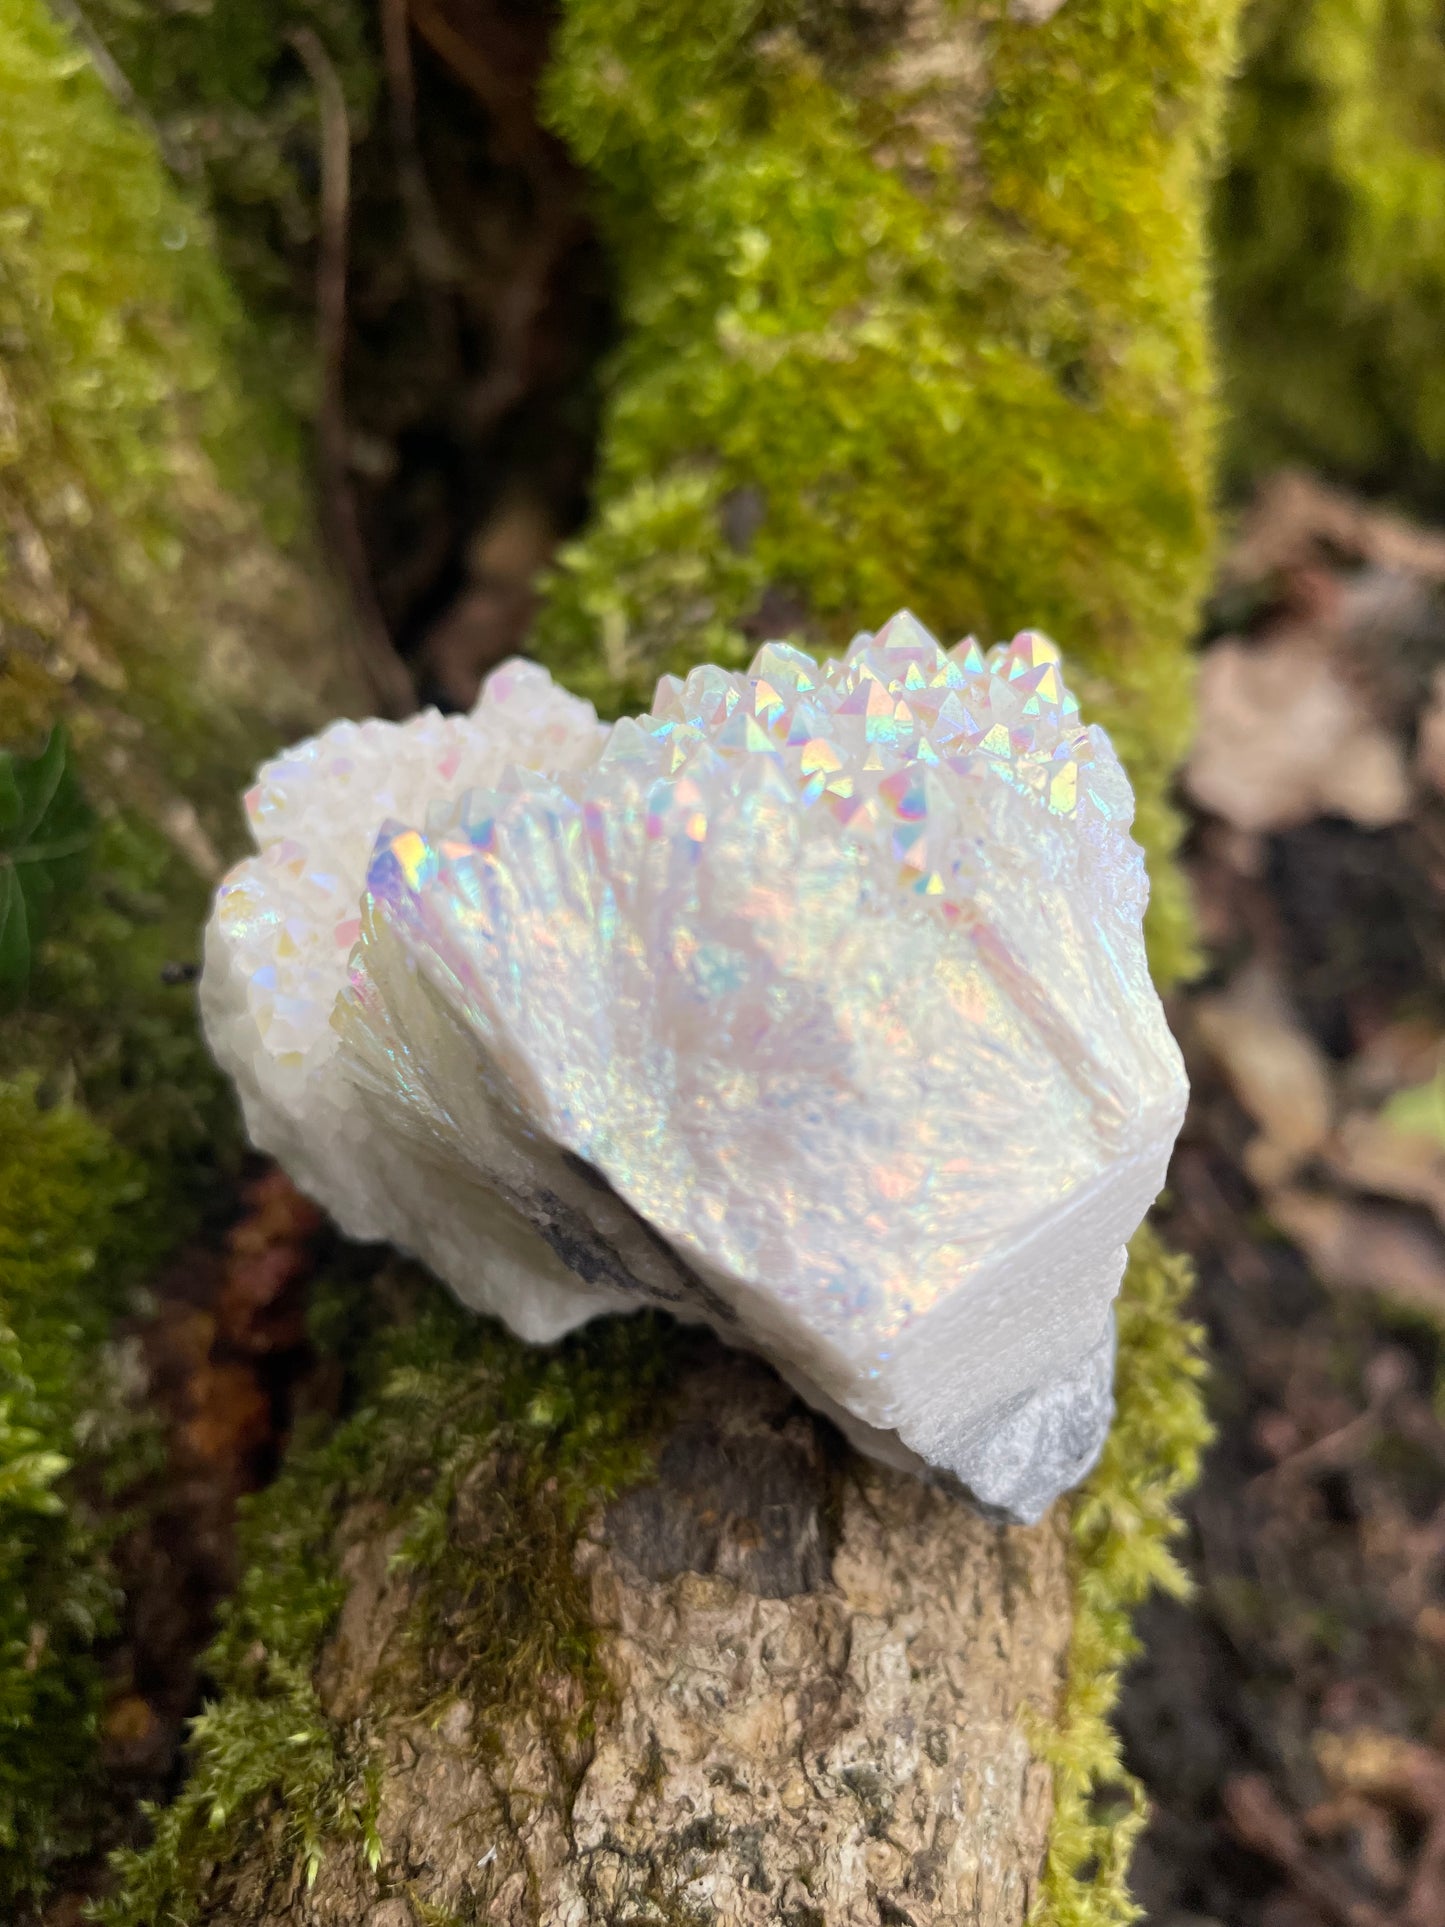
[10,805]
[14,939]
[36,781]
[46,828]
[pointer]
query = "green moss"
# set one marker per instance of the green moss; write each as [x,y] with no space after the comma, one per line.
[111,286]
[962,366]
[82,1223]
[235,112]
[445,1399]
[1331,243]
[549,1436]
[110,1019]
[159,594]
[134,582]
[143,486]
[1123,1524]
[73,1226]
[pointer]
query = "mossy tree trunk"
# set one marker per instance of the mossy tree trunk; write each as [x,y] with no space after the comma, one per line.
[799,1688]
[913,295]
[162,598]
[161,589]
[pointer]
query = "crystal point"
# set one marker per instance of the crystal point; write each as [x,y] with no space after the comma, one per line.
[812,1004]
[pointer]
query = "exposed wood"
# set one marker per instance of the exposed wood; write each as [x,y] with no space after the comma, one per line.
[826,1677]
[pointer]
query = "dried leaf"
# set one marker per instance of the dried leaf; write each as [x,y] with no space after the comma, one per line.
[1366,1247]
[1274,1067]
[1297,522]
[1370,1154]
[1284,738]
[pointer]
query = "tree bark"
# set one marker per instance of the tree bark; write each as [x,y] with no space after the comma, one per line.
[825,1676]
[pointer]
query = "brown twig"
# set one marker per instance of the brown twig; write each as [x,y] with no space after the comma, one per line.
[1263,1825]
[1341,1447]
[432,252]
[385,670]
[498,66]
[515,311]
[506,96]
[1399,1774]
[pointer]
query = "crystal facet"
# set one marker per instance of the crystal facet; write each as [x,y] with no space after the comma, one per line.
[812,1003]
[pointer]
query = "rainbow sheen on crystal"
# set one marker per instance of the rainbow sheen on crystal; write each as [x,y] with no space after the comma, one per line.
[812,1003]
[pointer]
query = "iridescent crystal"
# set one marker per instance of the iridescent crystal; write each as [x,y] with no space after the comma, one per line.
[812,1003]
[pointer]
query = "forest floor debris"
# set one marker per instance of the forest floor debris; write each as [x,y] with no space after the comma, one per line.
[1288,1721]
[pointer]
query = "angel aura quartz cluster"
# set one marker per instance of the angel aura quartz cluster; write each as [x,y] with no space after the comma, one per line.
[812,1004]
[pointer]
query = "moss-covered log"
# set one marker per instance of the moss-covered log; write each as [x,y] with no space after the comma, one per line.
[161,596]
[160,589]
[620,1632]
[914,314]
[914,306]
[763,1682]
